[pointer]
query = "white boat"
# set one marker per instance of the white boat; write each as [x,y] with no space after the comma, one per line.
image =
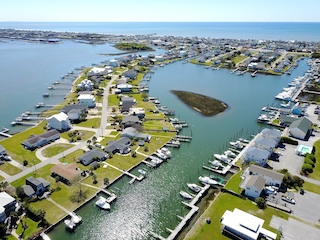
[69,224]
[45,236]
[194,187]
[161,155]
[263,118]
[230,154]
[222,157]
[216,163]
[185,195]
[75,218]
[236,144]
[286,105]
[207,180]
[102,203]
[164,152]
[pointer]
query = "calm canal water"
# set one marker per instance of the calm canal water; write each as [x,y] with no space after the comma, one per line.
[152,205]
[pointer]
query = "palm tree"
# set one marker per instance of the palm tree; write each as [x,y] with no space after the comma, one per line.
[88,142]
[94,139]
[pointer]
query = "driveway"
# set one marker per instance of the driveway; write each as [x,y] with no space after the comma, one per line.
[294,230]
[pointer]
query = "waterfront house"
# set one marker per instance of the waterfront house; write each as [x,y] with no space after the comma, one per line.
[82,107]
[74,114]
[139,112]
[301,128]
[67,173]
[85,85]
[272,178]
[120,146]
[130,74]
[39,140]
[7,205]
[265,144]
[244,225]
[87,99]
[271,134]
[286,120]
[35,186]
[125,87]
[96,71]
[59,122]
[128,100]
[91,156]
[253,154]
[114,63]
[131,133]
[129,121]
[254,186]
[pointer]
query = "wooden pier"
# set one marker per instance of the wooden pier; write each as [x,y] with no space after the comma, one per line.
[186,219]
[4,133]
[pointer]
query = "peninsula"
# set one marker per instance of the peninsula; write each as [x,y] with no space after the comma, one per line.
[205,105]
[129,46]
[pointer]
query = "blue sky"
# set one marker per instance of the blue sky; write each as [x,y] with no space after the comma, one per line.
[160,10]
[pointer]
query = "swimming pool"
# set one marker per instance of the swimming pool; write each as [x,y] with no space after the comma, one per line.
[303,149]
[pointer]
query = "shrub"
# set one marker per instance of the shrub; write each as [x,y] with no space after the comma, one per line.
[25,162]
[307,168]
[309,161]
[261,202]
[289,140]
[310,156]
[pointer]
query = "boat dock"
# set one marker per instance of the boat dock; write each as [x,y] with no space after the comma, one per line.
[184,220]
[24,123]
[4,133]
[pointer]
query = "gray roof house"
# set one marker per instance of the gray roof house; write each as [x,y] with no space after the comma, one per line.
[131,132]
[130,74]
[271,134]
[82,107]
[35,186]
[271,177]
[88,157]
[119,146]
[130,120]
[301,128]
[39,140]
[265,144]
[256,155]
[254,186]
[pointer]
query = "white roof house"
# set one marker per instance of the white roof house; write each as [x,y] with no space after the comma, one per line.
[253,154]
[96,70]
[125,87]
[59,122]
[87,99]
[244,225]
[7,204]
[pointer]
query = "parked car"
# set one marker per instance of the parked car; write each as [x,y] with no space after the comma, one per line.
[288,199]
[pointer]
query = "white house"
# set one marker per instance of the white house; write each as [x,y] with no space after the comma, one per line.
[139,112]
[183,53]
[272,178]
[87,99]
[59,122]
[245,225]
[85,85]
[114,63]
[159,58]
[265,144]
[74,114]
[253,154]
[96,71]
[271,134]
[7,205]
[254,186]
[300,128]
[125,87]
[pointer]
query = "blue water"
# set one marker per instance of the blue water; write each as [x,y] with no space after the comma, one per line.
[236,30]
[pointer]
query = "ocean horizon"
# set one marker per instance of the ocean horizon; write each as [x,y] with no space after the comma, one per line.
[301,31]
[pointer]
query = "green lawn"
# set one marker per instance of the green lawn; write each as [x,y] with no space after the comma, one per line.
[311,187]
[225,202]
[9,169]
[53,213]
[32,228]
[1,178]
[90,123]
[55,149]
[102,173]
[234,182]
[84,135]
[316,169]
[156,125]
[72,157]
[113,100]
[16,150]
[238,59]
[125,162]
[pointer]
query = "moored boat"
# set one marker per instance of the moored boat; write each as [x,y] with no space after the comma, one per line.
[207,180]
[185,195]
[194,187]
[102,203]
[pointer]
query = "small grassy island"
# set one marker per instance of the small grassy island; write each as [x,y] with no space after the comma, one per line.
[133,46]
[205,105]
